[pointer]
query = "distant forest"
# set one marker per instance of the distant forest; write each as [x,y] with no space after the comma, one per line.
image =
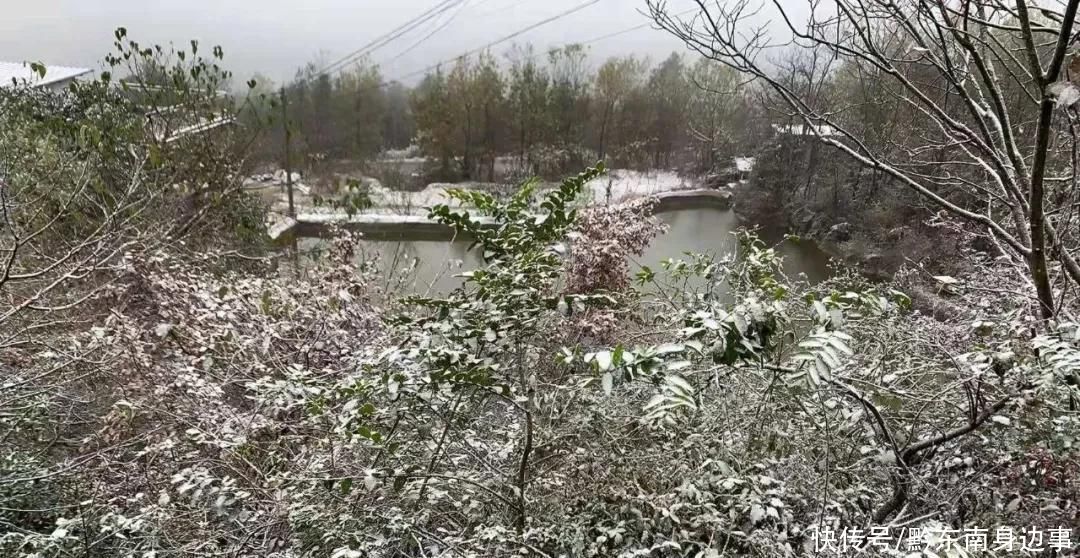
[551,112]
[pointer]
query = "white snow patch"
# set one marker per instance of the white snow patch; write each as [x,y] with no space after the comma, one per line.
[627,184]
[330,218]
[409,153]
[393,206]
[1065,94]
[371,219]
[280,226]
[624,184]
[804,129]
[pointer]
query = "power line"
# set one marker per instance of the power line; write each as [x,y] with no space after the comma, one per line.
[634,28]
[385,39]
[502,8]
[525,30]
[615,33]
[449,21]
[429,35]
[394,34]
[496,42]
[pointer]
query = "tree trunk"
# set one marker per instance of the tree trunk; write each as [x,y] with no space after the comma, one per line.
[1036,219]
[603,132]
[522,479]
[467,160]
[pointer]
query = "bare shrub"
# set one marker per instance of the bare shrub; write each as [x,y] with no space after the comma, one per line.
[605,239]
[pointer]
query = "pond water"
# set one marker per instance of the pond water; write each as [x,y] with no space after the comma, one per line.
[427,267]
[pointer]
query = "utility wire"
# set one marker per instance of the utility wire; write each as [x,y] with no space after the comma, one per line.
[525,30]
[502,8]
[385,39]
[618,33]
[630,29]
[448,22]
[534,55]
[429,35]
[496,42]
[393,35]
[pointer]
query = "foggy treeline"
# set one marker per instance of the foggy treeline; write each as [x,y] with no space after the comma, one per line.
[551,112]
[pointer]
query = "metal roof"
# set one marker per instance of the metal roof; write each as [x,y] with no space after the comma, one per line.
[20,72]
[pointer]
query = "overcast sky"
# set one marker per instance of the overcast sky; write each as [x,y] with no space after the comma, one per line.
[275,37]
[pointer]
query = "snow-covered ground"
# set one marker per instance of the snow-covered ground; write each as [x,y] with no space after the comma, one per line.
[395,155]
[400,207]
[372,218]
[622,184]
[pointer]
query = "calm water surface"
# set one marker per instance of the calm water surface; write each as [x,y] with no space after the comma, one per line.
[430,266]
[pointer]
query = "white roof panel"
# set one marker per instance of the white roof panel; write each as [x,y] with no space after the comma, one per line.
[21,72]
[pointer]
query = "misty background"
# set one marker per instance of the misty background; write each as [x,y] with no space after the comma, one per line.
[277,38]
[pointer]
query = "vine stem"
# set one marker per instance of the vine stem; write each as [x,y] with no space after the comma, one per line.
[523,466]
[438,449]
